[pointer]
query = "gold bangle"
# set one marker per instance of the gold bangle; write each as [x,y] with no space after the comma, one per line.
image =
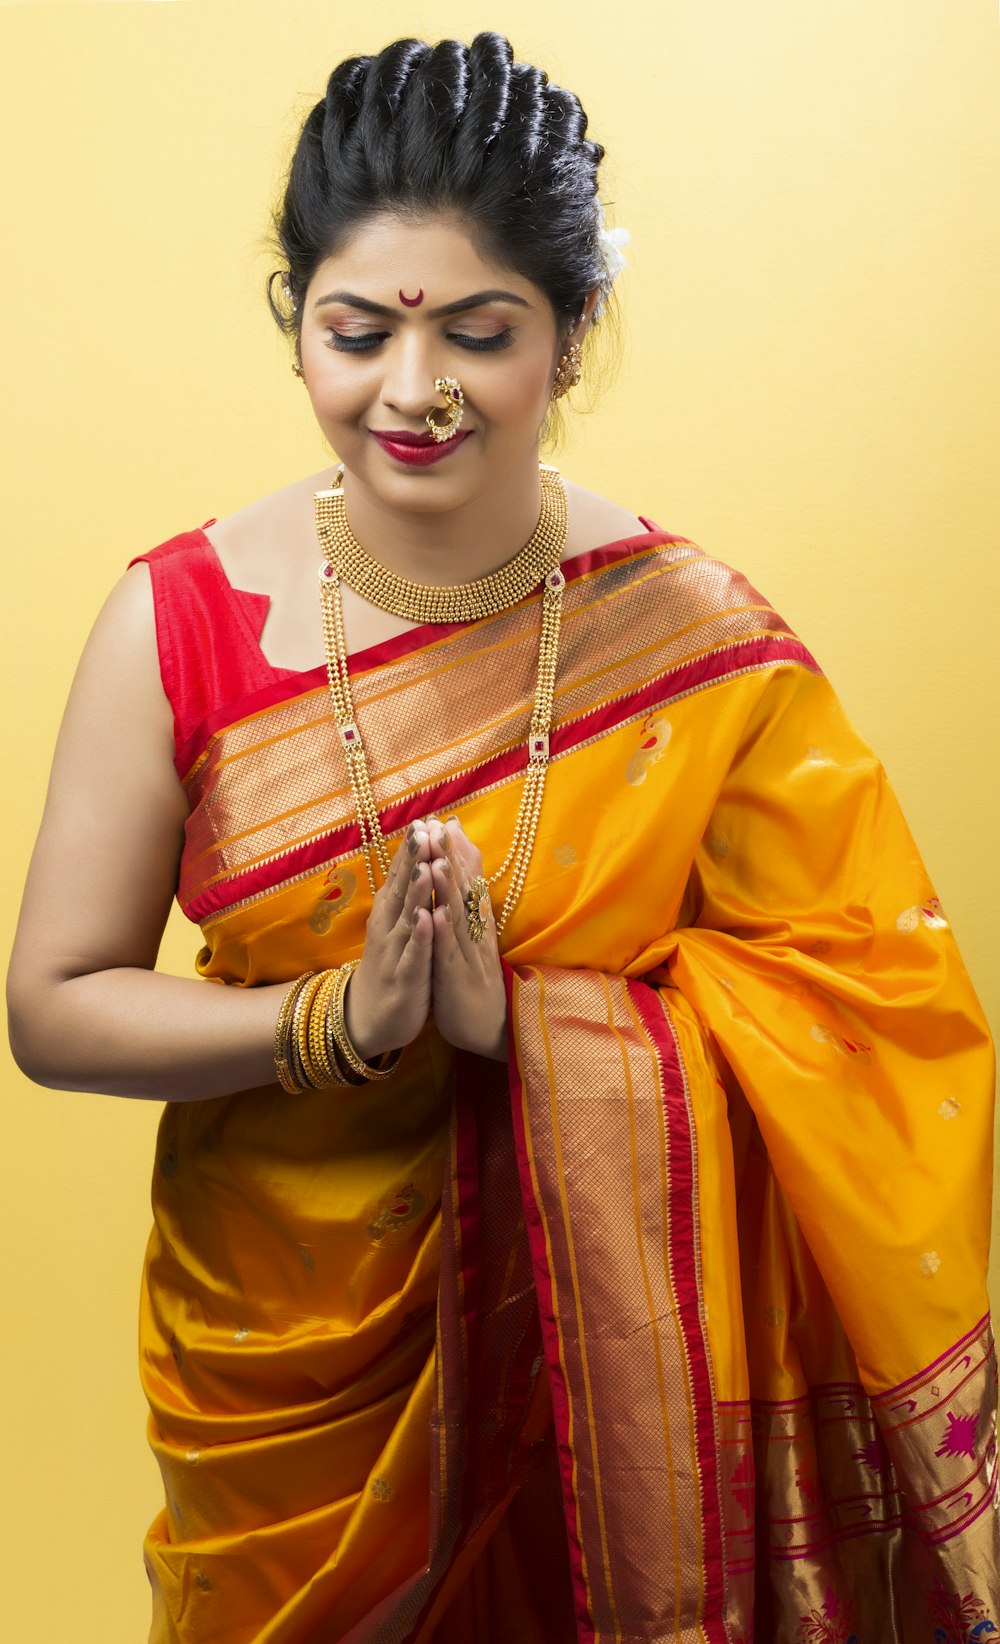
[300,1030]
[327,1067]
[312,1048]
[335,1054]
[364,1070]
[297,1072]
[282,1060]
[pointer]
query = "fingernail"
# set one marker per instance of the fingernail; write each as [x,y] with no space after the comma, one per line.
[415,875]
[446,868]
[413,844]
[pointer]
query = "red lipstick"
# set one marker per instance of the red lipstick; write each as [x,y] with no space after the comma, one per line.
[416,450]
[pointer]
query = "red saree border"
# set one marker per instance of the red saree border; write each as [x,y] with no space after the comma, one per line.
[615,1589]
[746,656]
[288,685]
[686,1270]
[538,1243]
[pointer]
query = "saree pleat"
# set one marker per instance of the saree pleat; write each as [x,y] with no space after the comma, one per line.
[673,1329]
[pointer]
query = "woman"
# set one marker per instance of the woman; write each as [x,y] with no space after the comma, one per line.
[595,1099]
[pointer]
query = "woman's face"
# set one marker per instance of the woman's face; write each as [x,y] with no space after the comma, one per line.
[404,302]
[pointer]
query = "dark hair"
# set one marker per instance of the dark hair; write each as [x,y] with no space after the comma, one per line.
[450,127]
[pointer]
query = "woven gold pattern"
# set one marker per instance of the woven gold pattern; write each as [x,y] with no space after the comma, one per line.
[699,606]
[643,1545]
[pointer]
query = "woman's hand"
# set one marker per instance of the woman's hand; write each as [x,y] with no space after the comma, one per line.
[470,1001]
[389,995]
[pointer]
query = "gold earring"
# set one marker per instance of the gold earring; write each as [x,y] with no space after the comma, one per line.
[451,417]
[568,372]
[297,370]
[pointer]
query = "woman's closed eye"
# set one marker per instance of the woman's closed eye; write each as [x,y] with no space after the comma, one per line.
[495,339]
[356,342]
[362,342]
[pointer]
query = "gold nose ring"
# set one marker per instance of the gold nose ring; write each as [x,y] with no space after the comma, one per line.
[444,425]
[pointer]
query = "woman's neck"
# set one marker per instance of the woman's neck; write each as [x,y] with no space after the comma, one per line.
[459,544]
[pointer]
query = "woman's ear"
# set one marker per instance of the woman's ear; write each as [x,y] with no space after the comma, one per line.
[585,321]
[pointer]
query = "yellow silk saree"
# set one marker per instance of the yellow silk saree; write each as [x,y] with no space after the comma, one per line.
[673,1329]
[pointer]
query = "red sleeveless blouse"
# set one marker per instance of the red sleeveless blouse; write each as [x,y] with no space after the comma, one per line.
[207,632]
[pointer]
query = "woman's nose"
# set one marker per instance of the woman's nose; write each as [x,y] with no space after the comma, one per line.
[408,381]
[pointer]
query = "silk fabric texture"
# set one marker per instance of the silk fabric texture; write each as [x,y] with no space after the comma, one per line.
[675,1327]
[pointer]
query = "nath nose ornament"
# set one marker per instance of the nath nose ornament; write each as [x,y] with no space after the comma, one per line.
[445,425]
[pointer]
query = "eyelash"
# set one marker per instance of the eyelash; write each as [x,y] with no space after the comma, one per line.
[365,342]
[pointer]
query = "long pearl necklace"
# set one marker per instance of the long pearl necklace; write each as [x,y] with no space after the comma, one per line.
[538,562]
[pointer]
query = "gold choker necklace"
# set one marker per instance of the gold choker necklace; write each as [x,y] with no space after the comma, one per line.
[458,602]
[346,560]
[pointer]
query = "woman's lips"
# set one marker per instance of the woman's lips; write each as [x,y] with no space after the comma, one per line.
[416,450]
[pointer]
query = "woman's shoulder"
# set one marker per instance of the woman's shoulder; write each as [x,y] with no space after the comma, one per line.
[596,521]
[245,540]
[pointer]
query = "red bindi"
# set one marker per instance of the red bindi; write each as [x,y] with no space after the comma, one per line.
[412,302]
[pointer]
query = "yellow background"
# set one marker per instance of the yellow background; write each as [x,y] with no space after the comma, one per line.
[809,389]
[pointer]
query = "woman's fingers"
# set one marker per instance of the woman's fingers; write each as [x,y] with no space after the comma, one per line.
[416,898]
[454,890]
[448,838]
[449,893]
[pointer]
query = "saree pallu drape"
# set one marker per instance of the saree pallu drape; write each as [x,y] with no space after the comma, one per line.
[673,1329]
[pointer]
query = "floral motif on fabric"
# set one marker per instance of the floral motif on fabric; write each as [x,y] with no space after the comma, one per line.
[854,1049]
[805,1478]
[742,1484]
[874,1454]
[924,913]
[959,1620]
[338,888]
[832,1623]
[959,1437]
[405,1207]
[654,738]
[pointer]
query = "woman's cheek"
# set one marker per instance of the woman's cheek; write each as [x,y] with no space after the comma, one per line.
[521,396]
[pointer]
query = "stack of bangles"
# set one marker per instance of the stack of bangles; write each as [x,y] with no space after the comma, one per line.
[312,1049]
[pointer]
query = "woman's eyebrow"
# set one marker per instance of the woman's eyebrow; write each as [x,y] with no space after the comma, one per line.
[477,300]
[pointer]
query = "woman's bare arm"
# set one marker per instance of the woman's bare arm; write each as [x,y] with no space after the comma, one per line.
[86,1010]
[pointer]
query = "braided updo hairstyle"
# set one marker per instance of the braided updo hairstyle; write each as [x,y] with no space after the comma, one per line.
[423,129]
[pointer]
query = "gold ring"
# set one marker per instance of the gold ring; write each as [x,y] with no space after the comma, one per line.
[450,419]
[478,908]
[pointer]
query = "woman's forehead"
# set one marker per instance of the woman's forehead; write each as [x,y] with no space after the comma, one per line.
[438,255]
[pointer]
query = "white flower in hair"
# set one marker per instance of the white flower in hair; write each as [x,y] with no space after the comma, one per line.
[612,240]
